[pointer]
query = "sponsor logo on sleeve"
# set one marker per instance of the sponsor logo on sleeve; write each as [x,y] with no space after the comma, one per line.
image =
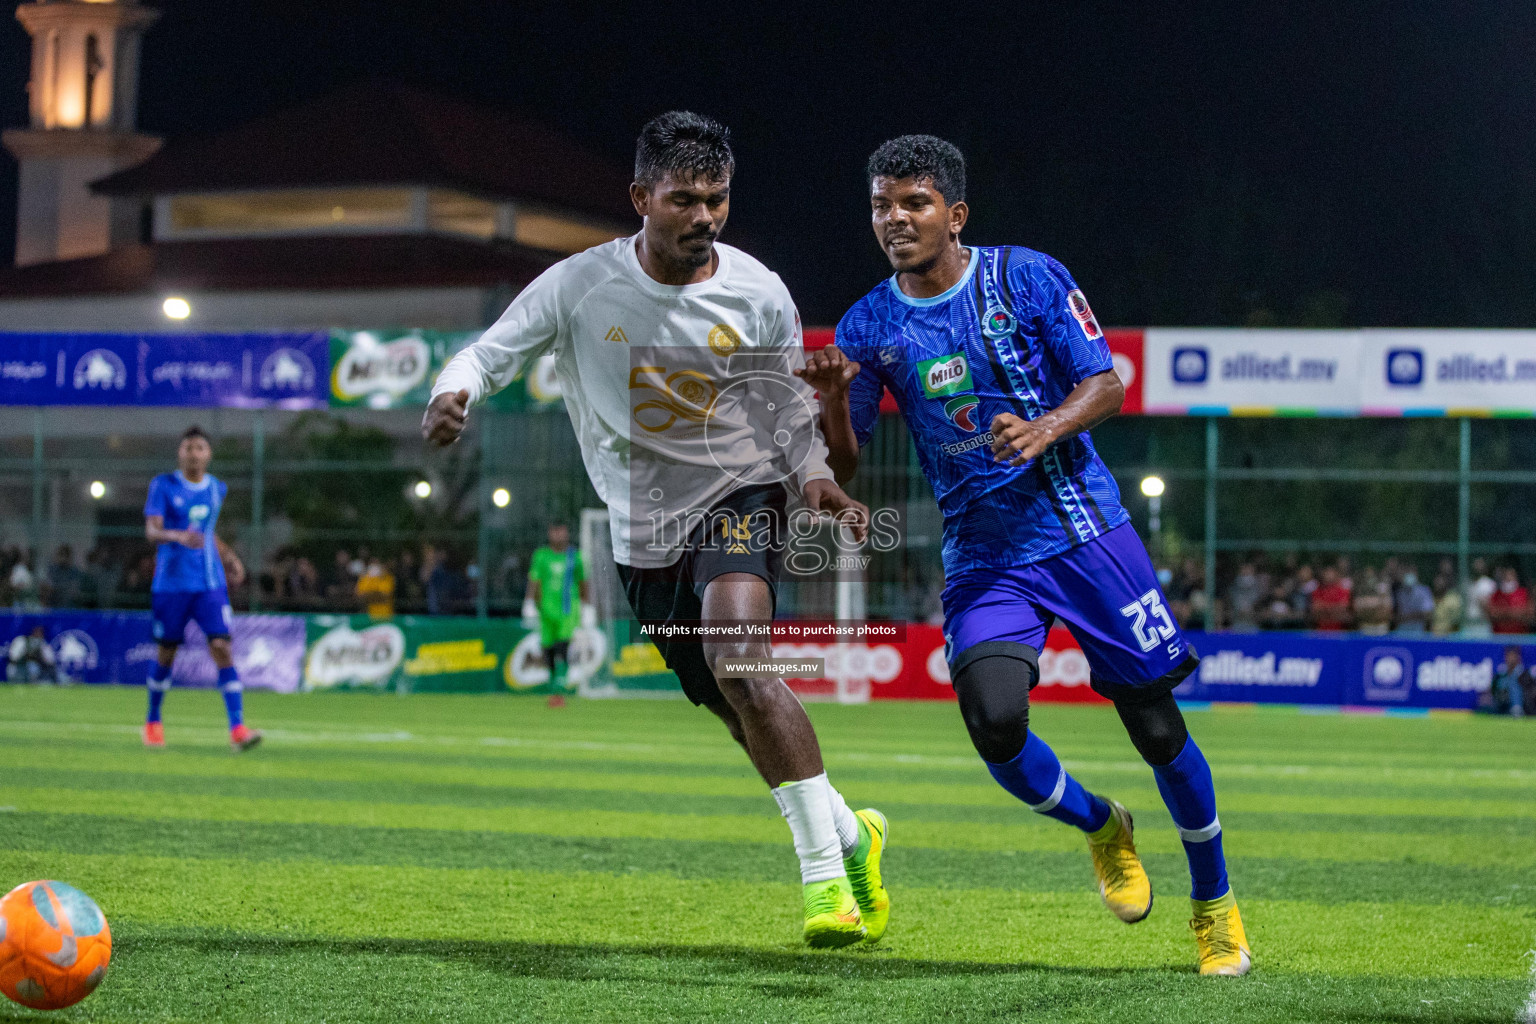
[944,375]
[1405,367]
[1191,365]
[1078,303]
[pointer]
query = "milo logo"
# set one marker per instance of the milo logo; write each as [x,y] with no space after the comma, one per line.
[944,375]
[366,657]
[380,372]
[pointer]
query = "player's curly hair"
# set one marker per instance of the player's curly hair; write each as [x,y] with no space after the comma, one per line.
[686,144]
[921,156]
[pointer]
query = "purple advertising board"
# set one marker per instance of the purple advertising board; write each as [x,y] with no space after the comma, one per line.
[117,647]
[289,371]
[1411,670]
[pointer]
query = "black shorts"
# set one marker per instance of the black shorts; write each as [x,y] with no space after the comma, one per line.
[557,652]
[744,532]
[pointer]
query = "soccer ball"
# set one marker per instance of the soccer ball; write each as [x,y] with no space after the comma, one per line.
[54,945]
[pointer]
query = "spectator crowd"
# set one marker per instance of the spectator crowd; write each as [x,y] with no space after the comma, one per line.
[429,580]
[437,580]
[1392,597]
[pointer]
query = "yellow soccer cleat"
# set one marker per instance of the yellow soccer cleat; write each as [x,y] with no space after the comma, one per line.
[1123,883]
[864,873]
[1219,935]
[831,915]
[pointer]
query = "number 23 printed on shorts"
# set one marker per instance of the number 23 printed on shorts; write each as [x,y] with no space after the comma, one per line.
[1150,622]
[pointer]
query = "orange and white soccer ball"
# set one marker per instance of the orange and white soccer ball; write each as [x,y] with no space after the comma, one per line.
[54,945]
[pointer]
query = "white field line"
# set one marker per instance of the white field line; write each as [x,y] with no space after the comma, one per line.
[403,737]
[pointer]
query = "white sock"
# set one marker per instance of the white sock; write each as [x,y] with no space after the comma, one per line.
[847,824]
[808,809]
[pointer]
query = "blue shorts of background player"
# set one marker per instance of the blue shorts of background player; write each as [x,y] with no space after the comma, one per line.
[1105,591]
[172,610]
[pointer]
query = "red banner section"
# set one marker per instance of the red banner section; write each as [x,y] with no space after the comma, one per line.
[1126,344]
[914,668]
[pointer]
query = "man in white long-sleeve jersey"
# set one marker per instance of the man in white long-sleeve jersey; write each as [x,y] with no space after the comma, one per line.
[675,355]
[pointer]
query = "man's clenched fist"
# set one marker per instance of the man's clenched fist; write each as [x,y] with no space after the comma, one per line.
[828,371]
[444,419]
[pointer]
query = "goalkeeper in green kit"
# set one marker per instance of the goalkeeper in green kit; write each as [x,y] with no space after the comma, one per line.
[557,580]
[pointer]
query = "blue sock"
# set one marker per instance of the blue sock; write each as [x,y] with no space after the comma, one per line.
[229,685]
[1186,786]
[1037,778]
[158,682]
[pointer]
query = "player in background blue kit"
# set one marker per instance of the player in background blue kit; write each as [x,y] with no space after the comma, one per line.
[1000,369]
[180,516]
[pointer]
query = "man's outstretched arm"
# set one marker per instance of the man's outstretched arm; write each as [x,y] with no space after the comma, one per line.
[830,372]
[502,354]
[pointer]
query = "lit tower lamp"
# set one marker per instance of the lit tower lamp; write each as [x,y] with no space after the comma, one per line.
[83,94]
[1153,487]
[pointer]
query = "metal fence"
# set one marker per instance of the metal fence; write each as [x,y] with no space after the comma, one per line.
[312,485]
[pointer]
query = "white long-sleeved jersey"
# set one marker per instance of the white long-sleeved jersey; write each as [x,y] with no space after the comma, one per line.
[678,393]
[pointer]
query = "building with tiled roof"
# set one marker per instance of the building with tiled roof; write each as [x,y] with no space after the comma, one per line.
[376,205]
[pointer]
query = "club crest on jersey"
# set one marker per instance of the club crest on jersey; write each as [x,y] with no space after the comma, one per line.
[945,375]
[998,323]
[723,340]
[1078,303]
[962,412]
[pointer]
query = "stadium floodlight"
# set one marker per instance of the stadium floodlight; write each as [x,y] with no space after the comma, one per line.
[177,308]
[1153,487]
[98,490]
[423,489]
[501,497]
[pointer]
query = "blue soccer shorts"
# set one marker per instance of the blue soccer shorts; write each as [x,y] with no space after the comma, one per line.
[172,610]
[1105,591]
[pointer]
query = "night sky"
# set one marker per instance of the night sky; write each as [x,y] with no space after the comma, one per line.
[1262,163]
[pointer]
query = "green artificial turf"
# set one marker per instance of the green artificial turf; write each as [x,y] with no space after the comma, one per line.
[441,858]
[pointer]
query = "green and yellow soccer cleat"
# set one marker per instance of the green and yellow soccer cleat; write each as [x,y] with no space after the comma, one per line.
[1123,883]
[864,873]
[1219,935]
[831,915]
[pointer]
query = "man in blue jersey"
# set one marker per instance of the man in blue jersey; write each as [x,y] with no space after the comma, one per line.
[1000,369]
[180,517]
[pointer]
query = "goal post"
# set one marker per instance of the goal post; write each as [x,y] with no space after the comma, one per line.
[631,669]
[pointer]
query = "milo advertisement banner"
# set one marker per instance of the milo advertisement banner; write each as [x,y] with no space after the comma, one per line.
[394,369]
[437,655]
